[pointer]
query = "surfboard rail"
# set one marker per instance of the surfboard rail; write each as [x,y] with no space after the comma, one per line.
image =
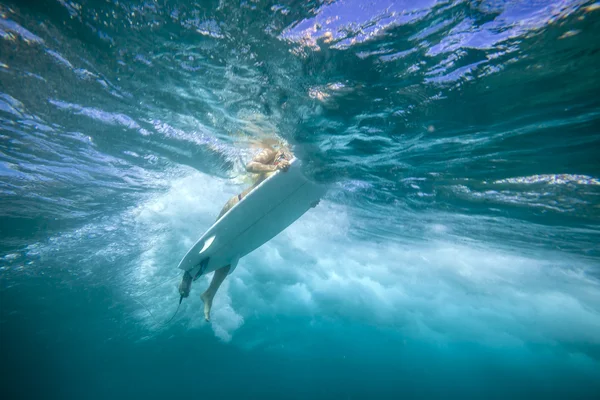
[264,212]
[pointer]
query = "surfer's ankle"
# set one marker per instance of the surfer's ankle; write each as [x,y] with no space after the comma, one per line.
[207,299]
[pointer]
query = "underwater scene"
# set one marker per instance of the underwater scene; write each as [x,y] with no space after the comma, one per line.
[453,252]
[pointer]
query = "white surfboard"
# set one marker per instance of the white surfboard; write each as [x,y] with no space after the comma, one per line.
[267,210]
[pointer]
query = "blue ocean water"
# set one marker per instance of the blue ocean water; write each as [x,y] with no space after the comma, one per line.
[455,255]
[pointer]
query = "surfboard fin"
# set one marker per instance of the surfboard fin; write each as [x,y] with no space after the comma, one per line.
[203,264]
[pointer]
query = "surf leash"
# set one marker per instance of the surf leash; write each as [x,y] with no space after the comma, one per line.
[156,323]
[176,311]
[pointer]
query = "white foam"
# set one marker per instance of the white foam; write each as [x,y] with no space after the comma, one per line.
[438,290]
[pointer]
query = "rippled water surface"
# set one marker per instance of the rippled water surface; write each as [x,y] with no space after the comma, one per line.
[456,253]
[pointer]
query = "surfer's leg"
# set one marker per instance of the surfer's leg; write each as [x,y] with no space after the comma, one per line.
[232,202]
[208,296]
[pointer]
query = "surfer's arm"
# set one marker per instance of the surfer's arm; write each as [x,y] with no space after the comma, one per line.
[262,162]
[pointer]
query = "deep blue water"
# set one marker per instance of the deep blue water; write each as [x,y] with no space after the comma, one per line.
[456,254]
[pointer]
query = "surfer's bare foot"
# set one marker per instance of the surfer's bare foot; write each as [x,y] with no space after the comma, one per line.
[185,285]
[207,300]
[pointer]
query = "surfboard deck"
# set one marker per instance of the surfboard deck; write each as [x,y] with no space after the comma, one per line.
[267,210]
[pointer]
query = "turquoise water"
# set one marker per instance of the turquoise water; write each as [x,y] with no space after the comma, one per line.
[455,254]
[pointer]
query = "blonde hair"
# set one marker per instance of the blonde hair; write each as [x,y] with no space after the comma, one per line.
[272,143]
[258,132]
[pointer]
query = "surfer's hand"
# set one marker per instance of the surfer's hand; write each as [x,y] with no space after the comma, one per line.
[283,165]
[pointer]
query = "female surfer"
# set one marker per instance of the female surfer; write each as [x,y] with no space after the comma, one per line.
[264,163]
